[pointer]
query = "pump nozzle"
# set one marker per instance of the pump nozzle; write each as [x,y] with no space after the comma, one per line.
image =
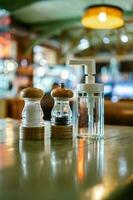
[89,68]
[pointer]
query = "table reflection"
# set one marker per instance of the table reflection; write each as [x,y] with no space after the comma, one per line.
[65,169]
[7,158]
[90,162]
[31,158]
[73,161]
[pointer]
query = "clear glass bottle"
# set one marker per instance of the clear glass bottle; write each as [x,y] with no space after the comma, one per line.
[90,120]
[90,103]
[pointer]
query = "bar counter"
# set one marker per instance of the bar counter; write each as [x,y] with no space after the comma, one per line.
[63,169]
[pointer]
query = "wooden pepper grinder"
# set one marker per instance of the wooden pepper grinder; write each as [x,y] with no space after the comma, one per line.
[32,125]
[61,121]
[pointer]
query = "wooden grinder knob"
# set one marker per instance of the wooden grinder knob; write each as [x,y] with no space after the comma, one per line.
[32,92]
[62,92]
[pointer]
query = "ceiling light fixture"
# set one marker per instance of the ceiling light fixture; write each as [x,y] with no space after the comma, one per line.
[103,17]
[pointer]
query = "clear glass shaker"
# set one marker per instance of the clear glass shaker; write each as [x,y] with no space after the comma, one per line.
[61,120]
[61,112]
[32,124]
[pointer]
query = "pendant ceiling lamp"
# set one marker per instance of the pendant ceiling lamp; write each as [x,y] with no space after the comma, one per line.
[103,17]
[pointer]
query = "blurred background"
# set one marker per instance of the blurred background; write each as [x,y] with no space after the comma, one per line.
[38,37]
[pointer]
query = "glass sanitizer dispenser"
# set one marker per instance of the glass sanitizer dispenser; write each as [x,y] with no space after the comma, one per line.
[90,103]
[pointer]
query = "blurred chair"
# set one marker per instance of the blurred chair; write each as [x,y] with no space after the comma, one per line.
[47,104]
[14,108]
[119,113]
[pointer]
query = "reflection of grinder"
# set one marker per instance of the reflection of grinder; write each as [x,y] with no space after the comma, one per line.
[32,126]
[61,122]
[31,159]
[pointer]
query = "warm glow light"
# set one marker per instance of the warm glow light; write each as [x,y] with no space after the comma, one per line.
[6,157]
[5,47]
[103,17]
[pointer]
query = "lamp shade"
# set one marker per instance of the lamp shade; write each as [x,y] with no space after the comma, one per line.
[103,17]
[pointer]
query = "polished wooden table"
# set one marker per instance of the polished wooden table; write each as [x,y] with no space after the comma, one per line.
[63,169]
